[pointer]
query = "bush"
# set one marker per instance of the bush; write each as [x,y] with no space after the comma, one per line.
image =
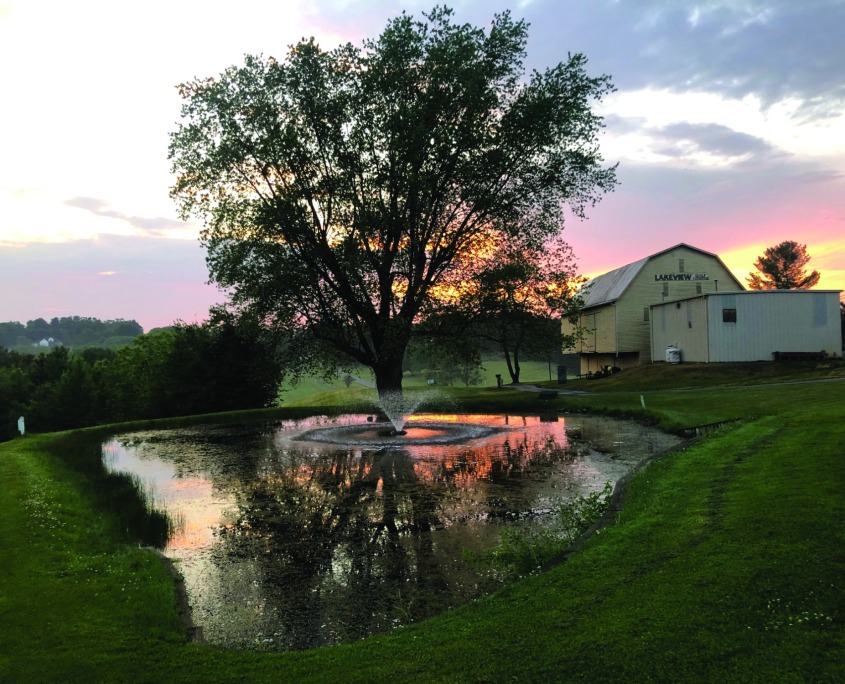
[519,553]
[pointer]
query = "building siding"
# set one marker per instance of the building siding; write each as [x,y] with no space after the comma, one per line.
[682,324]
[766,322]
[783,321]
[647,289]
[600,327]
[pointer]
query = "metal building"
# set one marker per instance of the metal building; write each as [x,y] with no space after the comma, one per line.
[758,325]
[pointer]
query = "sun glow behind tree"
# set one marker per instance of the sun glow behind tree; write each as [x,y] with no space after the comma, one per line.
[783,267]
[345,192]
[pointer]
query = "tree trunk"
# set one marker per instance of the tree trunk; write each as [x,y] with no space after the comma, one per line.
[390,340]
[389,377]
[513,364]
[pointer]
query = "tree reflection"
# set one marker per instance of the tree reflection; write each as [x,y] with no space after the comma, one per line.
[350,524]
[346,542]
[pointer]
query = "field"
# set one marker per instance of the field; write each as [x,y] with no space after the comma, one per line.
[531,372]
[725,562]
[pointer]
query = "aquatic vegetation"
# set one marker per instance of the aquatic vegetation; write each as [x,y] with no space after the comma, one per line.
[523,551]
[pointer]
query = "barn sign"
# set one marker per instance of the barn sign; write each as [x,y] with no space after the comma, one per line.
[681,276]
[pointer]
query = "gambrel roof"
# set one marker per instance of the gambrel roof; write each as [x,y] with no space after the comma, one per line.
[610,286]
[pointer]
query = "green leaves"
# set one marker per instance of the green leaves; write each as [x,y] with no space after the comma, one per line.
[783,267]
[338,189]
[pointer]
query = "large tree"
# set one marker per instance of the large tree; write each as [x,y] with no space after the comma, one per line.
[339,189]
[783,267]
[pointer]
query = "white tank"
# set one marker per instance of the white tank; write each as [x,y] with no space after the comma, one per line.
[673,354]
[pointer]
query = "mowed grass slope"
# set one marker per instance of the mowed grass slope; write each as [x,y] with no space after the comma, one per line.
[726,563]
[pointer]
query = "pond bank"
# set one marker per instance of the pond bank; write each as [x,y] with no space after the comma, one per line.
[722,566]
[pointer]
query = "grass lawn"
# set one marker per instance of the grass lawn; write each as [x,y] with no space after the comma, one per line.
[312,386]
[726,563]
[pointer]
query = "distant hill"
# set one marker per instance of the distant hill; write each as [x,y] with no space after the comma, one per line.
[70,331]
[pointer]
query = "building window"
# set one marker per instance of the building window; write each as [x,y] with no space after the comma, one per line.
[680,266]
[645,314]
[819,310]
[728,315]
[665,289]
[698,288]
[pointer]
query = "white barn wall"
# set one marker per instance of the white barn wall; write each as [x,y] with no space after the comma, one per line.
[766,322]
[616,312]
[645,290]
[774,320]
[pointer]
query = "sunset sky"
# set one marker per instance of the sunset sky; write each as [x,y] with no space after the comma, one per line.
[728,126]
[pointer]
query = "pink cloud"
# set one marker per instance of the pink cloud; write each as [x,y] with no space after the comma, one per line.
[731,213]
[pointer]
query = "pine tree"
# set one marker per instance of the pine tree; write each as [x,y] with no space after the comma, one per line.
[783,267]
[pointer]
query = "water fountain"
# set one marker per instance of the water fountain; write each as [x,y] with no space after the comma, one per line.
[394,430]
[397,407]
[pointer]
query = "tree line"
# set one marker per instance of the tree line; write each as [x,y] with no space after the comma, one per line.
[225,364]
[74,331]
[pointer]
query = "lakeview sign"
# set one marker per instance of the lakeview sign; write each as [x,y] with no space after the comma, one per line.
[681,276]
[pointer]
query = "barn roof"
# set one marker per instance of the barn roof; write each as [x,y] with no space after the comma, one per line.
[610,286]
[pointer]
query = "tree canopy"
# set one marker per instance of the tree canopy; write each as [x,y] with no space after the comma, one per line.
[224,364]
[515,301]
[783,267]
[341,191]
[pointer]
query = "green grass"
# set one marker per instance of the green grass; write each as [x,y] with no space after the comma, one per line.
[530,371]
[725,564]
[312,386]
[695,375]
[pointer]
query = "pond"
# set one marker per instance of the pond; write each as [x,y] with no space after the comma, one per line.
[288,540]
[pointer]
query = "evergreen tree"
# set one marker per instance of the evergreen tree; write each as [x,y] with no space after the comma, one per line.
[783,267]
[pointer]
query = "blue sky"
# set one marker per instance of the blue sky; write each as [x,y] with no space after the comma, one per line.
[728,126]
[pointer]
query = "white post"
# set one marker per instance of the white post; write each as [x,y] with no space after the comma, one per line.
[21,428]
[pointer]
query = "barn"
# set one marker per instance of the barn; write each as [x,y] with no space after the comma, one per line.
[758,325]
[617,305]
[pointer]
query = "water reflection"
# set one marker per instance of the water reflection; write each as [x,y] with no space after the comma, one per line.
[289,544]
